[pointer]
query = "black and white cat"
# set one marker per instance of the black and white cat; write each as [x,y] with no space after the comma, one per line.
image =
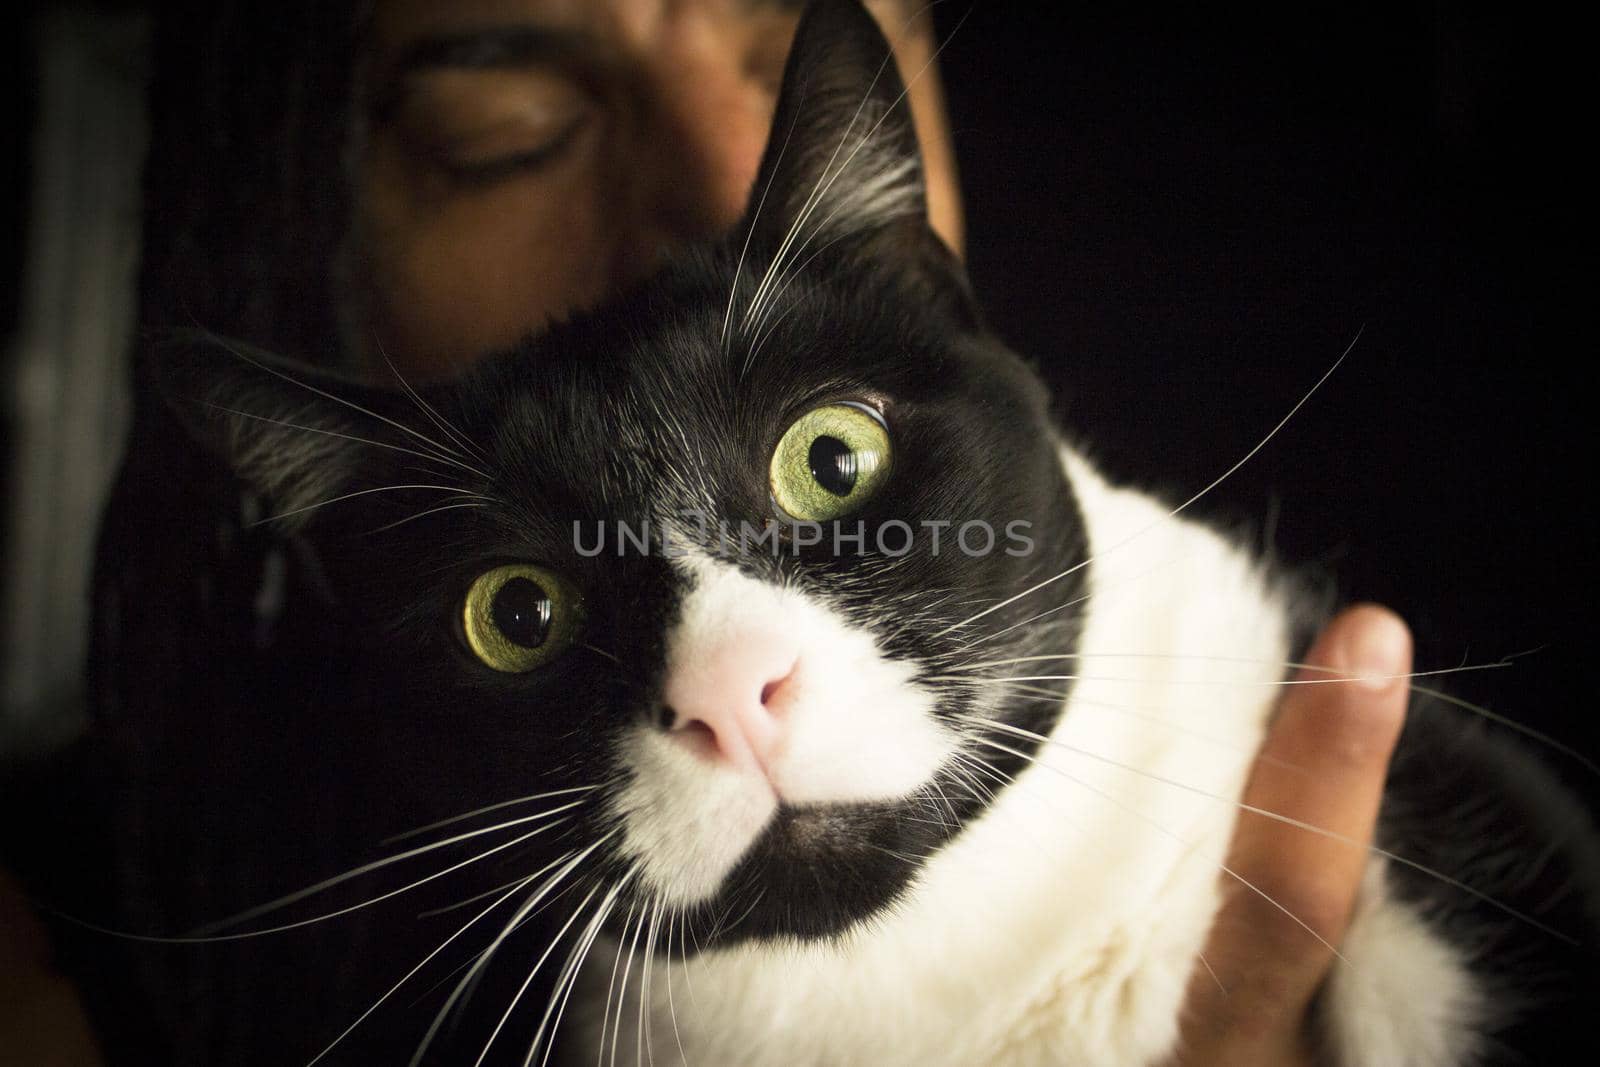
[877,726]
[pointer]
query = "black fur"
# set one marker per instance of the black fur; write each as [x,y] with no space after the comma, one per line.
[1474,805]
[357,712]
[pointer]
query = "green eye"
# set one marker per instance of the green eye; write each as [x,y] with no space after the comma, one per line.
[830,462]
[518,617]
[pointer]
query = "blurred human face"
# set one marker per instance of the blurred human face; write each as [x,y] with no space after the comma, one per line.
[523,158]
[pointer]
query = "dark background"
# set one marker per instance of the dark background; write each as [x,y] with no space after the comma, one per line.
[1186,215]
[16,119]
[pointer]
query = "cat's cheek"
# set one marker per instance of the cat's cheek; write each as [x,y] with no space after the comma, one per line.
[686,822]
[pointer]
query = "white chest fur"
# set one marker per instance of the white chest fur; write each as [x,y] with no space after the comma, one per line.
[1061,927]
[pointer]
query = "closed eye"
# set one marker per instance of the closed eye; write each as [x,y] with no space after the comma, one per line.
[504,165]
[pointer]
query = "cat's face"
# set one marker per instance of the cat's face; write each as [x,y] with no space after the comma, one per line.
[715,556]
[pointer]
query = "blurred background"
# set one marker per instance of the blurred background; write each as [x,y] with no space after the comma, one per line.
[1184,214]
[76,131]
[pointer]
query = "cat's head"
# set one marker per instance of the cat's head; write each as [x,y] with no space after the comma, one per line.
[719,556]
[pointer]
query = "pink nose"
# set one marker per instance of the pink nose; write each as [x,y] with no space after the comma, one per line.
[728,703]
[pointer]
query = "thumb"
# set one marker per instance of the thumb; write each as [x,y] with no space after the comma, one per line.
[1323,765]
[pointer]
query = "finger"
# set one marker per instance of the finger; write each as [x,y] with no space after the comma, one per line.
[1323,764]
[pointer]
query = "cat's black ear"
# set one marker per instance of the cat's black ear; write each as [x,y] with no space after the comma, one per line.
[297,436]
[842,173]
[842,156]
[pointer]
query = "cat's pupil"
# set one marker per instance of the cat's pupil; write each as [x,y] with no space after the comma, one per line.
[521,611]
[834,464]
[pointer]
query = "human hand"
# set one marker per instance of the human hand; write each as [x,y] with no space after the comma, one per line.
[1323,763]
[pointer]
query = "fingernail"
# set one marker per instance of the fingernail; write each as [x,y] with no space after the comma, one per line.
[1378,652]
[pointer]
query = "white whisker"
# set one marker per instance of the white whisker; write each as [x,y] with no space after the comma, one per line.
[1207,965]
[534,970]
[829,174]
[351,496]
[523,910]
[311,890]
[486,809]
[622,990]
[432,413]
[672,1007]
[1151,822]
[429,456]
[571,972]
[755,217]
[425,513]
[644,1048]
[517,886]
[1248,683]
[1224,476]
[381,897]
[441,449]
[1262,812]
[611,986]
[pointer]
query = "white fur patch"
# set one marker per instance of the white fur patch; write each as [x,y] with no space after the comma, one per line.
[1407,998]
[855,729]
[1062,926]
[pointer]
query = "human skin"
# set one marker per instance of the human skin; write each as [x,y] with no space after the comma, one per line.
[1322,764]
[522,159]
[494,198]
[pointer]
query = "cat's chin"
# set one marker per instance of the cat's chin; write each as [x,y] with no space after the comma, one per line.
[818,871]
